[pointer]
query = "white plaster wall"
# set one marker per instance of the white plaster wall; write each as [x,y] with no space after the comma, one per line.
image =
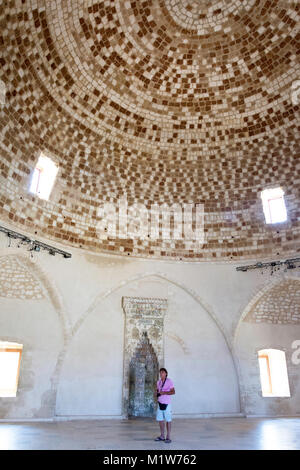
[92,373]
[73,340]
[199,360]
[36,325]
[196,355]
[251,338]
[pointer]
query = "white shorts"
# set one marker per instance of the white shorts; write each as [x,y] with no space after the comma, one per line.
[164,415]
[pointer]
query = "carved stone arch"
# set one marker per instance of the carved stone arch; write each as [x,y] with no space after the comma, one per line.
[256,298]
[47,287]
[165,277]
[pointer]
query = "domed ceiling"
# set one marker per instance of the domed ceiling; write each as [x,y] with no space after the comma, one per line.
[161,101]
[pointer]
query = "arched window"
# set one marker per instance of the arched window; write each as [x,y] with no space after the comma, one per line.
[273,373]
[10,359]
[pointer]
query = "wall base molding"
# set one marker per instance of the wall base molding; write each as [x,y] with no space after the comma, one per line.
[119,417]
[297,415]
[122,417]
[207,415]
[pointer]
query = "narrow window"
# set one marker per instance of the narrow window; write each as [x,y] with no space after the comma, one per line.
[43,177]
[10,359]
[274,205]
[273,373]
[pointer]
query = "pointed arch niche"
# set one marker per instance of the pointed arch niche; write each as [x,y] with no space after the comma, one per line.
[143,352]
[143,373]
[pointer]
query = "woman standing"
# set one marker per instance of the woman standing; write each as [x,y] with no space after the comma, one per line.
[165,388]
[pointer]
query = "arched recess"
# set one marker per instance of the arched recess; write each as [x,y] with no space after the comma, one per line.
[36,318]
[256,297]
[49,287]
[91,377]
[271,320]
[143,373]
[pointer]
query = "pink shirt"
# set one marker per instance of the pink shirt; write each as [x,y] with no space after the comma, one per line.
[166,388]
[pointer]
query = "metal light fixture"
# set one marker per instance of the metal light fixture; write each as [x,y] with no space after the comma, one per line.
[274,265]
[35,244]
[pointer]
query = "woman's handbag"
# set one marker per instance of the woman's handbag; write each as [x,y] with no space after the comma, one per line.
[162,406]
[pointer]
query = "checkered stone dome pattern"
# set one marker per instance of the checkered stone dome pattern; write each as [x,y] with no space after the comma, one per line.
[164,101]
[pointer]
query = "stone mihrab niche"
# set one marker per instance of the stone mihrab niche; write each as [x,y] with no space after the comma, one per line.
[143,353]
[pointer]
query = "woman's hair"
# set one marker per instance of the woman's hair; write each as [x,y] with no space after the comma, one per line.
[162,368]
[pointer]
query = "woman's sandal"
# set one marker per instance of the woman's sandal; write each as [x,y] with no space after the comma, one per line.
[168,441]
[159,439]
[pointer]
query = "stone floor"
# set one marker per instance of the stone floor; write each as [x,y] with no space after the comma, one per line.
[188,434]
